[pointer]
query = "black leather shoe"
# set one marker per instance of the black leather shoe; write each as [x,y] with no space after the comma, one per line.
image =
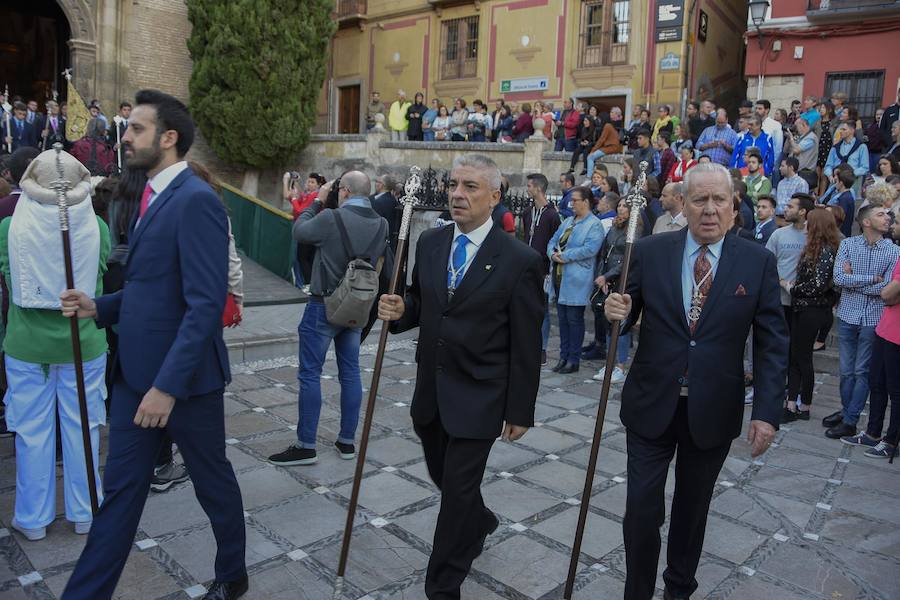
[227,590]
[558,366]
[568,368]
[833,419]
[667,595]
[840,430]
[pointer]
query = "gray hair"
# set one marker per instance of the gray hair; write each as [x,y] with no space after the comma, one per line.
[387,181]
[357,183]
[95,128]
[879,193]
[676,187]
[710,168]
[482,163]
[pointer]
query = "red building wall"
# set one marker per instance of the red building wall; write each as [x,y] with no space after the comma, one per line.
[860,52]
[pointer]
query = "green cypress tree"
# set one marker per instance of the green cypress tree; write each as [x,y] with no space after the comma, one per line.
[257,74]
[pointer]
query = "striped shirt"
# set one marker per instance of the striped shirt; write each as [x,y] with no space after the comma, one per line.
[787,187]
[711,134]
[861,302]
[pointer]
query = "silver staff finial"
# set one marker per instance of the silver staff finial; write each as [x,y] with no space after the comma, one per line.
[636,201]
[61,185]
[409,199]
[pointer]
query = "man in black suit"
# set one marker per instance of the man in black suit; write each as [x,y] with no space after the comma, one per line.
[478,300]
[54,127]
[385,203]
[698,291]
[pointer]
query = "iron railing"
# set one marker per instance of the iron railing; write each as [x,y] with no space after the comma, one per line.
[351,8]
[601,50]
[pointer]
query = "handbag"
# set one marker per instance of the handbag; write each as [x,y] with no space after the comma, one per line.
[231,316]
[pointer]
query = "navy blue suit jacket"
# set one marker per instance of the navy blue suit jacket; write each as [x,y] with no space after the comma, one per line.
[765,232]
[28,135]
[169,311]
[744,293]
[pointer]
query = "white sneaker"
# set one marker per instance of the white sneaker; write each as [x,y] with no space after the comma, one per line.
[83,527]
[618,375]
[600,374]
[33,535]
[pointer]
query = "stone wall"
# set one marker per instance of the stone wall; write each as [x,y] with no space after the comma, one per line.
[375,154]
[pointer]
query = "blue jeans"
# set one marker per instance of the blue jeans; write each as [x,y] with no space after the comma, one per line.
[623,349]
[855,354]
[428,135]
[591,159]
[316,334]
[545,326]
[571,332]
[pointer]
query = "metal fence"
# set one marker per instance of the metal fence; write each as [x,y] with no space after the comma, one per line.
[349,8]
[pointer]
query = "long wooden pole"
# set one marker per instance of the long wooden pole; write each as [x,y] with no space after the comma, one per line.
[62,186]
[635,201]
[411,189]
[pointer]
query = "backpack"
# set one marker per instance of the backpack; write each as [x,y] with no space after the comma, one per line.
[351,302]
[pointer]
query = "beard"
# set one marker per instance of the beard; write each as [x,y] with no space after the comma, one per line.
[144,158]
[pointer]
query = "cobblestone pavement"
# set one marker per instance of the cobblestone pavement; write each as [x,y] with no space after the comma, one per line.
[812,519]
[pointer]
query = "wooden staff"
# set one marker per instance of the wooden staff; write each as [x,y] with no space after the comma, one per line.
[62,186]
[413,184]
[635,202]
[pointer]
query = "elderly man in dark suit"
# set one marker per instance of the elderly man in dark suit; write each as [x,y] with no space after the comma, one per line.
[698,291]
[477,298]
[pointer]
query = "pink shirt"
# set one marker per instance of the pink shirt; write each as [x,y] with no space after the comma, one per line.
[889,325]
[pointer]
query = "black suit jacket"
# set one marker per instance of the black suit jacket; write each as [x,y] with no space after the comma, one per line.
[744,293]
[766,232]
[479,354]
[27,136]
[387,205]
[111,134]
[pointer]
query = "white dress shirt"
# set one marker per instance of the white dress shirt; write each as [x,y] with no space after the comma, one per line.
[476,239]
[159,182]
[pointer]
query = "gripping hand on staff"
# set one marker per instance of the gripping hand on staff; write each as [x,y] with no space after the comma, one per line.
[75,303]
[390,307]
[617,307]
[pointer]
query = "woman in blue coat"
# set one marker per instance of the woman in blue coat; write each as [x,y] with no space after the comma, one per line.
[572,253]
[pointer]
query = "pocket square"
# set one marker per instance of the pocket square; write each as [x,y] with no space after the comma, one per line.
[740,291]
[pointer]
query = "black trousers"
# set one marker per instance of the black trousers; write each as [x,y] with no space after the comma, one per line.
[581,151]
[456,465]
[826,327]
[696,471]
[805,325]
[884,383]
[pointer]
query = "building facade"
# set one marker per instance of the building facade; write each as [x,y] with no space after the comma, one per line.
[609,52]
[818,47]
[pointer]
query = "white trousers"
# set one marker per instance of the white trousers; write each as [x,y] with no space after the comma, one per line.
[35,395]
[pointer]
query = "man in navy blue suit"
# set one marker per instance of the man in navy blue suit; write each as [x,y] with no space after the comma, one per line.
[698,291]
[172,365]
[21,133]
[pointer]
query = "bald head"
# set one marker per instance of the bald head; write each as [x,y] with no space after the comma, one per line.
[357,183]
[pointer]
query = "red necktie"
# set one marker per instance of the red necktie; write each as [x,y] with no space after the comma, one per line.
[703,278]
[145,200]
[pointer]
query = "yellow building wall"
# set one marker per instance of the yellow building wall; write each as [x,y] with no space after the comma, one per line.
[399,44]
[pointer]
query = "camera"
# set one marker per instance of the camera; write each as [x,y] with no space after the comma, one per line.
[295,175]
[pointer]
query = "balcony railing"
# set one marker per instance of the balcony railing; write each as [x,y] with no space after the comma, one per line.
[459,68]
[855,7]
[350,8]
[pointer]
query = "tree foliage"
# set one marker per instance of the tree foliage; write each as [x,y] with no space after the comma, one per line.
[257,74]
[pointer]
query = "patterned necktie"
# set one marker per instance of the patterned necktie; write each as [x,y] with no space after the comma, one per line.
[456,271]
[703,279]
[145,200]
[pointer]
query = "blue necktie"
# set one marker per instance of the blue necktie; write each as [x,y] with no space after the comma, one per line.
[459,261]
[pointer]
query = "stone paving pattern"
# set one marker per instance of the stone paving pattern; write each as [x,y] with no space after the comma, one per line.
[812,519]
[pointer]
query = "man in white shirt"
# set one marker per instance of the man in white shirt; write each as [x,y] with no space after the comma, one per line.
[770,126]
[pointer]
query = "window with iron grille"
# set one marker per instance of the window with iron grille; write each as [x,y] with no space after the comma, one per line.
[863,88]
[605,30]
[459,58]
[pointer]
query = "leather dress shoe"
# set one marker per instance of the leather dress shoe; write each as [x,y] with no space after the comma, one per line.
[667,595]
[835,418]
[840,430]
[558,366]
[569,368]
[227,590]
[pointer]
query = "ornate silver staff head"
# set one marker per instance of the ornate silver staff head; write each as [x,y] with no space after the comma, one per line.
[62,186]
[409,199]
[635,201]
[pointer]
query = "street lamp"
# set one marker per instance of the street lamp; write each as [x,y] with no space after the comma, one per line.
[758,10]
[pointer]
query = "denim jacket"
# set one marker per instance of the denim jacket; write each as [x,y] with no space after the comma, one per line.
[578,259]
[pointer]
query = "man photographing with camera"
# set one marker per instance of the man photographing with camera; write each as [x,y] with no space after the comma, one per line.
[352,230]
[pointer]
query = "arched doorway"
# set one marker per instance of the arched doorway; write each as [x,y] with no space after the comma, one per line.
[34,49]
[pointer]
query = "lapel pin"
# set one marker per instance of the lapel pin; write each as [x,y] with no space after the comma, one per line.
[487,267]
